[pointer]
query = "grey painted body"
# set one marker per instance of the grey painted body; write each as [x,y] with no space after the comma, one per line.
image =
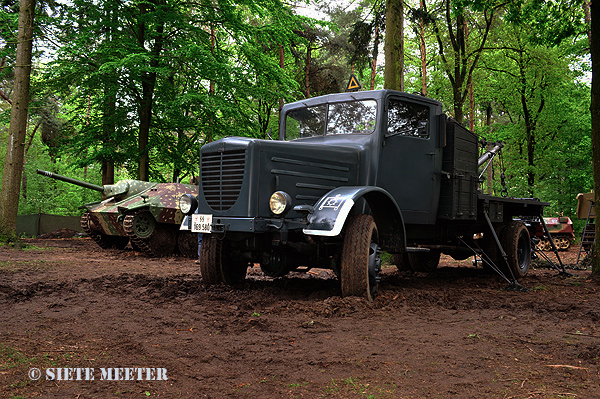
[420,187]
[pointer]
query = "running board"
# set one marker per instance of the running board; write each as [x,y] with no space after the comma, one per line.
[417,249]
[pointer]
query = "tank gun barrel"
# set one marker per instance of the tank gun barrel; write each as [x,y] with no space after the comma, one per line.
[70,180]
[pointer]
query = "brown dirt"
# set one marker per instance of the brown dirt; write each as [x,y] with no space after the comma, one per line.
[456,333]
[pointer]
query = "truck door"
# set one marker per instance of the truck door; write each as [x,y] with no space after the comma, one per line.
[408,160]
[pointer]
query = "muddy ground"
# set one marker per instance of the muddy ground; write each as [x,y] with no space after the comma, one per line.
[456,333]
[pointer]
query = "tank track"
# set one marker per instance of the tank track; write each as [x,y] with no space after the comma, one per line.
[140,243]
[85,226]
[161,240]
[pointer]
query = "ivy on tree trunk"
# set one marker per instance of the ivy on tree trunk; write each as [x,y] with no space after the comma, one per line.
[595,111]
[13,167]
[394,45]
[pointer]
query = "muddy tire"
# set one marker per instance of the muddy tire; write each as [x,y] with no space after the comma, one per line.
[402,262]
[361,262]
[490,247]
[516,243]
[424,261]
[210,260]
[218,264]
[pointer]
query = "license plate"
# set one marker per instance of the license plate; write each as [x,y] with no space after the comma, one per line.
[201,223]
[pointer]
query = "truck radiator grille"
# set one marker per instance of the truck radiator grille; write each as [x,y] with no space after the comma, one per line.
[222,178]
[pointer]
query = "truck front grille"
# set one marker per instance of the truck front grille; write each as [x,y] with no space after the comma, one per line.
[222,178]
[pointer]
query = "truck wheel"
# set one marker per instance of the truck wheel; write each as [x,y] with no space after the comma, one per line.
[517,245]
[210,260]
[402,262]
[217,263]
[491,250]
[424,261]
[361,258]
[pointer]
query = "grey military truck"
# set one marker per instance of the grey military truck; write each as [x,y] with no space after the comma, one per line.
[352,175]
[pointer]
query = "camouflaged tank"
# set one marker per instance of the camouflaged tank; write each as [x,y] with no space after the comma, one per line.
[561,229]
[143,213]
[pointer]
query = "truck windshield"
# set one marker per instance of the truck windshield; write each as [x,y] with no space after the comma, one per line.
[354,117]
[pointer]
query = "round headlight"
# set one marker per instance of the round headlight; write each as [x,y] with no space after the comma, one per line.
[188,204]
[280,202]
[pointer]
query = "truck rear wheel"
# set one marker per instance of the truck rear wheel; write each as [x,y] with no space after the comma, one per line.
[218,264]
[517,245]
[418,262]
[402,262]
[361,261]
[424,261]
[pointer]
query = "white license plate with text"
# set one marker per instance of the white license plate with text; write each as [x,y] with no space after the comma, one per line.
[201,223]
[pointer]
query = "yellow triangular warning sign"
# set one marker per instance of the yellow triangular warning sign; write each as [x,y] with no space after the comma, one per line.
[353,84]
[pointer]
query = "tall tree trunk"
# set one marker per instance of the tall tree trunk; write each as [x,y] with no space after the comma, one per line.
[530,128]
[145,114]
[423,53]
[471,105]
[29,142]
[595,111]
[469,81]
[282,66]
[588,19]
[109,111]
[211,86]
[394,45]
[148,85]
[13,167]
[177,171]
[460,60]
[307,70]
[108,127]
[461,68]
[490,170]
[531,116]
[374,62]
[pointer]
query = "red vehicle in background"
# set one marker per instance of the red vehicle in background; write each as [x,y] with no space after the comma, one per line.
[561,229]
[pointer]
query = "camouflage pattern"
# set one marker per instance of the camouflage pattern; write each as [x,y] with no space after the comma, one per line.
[143,213]
[561,229]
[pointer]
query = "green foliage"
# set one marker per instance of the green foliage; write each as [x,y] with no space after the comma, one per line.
[542,115]
[554,21]
[203,65]
[41,194]
[213,71]
[532,83]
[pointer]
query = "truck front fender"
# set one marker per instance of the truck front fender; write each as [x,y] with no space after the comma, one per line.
[332,210]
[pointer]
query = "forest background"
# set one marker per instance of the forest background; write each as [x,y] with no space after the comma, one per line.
[132,89]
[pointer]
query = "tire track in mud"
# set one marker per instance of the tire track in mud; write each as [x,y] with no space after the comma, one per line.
[458,289]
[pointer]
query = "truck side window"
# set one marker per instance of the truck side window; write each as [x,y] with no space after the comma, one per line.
[407,119]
